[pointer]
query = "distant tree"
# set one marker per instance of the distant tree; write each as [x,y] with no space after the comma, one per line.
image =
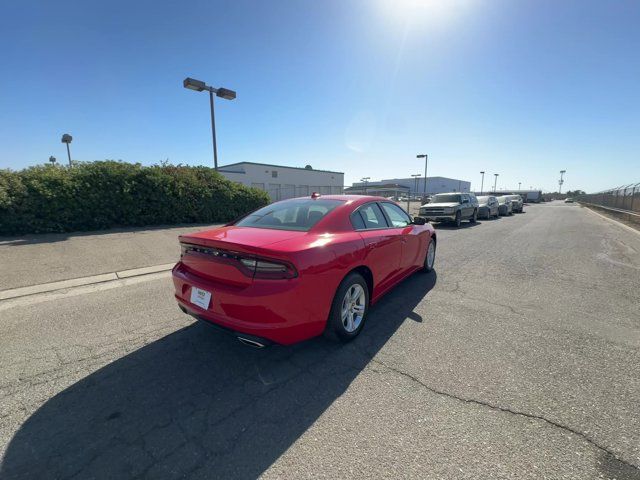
[308,167]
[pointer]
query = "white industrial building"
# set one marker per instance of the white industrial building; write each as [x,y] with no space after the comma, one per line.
[434,184]
[282,182]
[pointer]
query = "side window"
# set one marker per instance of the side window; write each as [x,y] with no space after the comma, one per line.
[397,216]
[356,220]
[372,216]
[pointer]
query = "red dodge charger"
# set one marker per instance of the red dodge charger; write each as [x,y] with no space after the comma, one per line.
[300,267]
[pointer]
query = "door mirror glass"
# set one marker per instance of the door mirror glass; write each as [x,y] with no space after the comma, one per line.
[418,221]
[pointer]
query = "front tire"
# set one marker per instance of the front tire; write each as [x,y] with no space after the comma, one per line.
[349,309]
[430,258]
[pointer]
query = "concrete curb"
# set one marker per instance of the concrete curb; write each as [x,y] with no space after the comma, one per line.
[613,220]
[77,282]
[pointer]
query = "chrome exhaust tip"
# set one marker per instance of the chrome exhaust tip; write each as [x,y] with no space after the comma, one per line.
[250,343]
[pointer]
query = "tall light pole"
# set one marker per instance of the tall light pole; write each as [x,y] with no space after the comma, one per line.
[496,182]
[561,181]
[66,138]
[366,181]
[519,183]
[482,183]
[225,93]
[426,159]
[415,178]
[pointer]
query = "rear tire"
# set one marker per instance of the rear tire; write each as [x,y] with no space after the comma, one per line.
[474,217]
[348,309]
[458,220]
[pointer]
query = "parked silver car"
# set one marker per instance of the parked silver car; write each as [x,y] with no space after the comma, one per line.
[451,207]
[505,206]
[488,207]
[516,203]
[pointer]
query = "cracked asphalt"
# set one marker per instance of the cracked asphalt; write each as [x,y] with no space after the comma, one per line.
[518,358]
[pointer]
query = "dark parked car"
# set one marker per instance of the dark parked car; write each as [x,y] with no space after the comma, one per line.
[451,207]
[488,207]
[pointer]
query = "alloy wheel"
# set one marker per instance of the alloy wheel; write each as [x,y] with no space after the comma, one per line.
[353,307]
[431,255]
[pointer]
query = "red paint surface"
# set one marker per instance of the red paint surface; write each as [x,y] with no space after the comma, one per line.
[290,310]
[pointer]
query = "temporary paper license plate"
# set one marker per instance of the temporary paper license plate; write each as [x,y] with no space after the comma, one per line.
[200,297]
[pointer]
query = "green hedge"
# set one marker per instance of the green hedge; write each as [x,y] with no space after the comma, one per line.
[99,195]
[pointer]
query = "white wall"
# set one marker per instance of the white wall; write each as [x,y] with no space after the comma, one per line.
[287,182]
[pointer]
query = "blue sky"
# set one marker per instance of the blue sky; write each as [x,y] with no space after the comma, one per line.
[519,88]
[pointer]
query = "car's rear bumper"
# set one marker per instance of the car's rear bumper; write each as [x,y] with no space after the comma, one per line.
[272,310]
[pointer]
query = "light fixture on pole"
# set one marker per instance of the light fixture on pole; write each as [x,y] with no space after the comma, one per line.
[426,159]
[66,138]
[482,183]
[561,181]
[199,86]
[366,181]
[496,182]
[52,159]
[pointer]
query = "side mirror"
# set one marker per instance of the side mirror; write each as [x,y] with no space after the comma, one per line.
[418,221]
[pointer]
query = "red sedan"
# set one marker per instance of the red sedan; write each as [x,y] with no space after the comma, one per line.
[297,268]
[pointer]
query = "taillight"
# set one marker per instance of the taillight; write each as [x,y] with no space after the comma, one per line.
[269,269]
[255,267]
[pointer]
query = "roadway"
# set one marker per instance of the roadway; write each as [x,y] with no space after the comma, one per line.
[518,358]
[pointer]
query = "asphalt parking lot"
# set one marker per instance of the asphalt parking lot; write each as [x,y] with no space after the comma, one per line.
[519,357]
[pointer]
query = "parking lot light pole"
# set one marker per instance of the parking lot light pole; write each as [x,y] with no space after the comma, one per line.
[482,183]
[366,181]
[199,86]
[519,183]
[561,181]
[415,182]
[496,182]
[66,138]
[426,159]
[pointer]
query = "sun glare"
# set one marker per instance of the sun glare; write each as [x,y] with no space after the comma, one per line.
[425,10]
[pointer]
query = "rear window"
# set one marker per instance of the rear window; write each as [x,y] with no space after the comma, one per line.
[298,214]
[446,199]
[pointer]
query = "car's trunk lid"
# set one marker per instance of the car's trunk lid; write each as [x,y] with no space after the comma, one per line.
[216,254]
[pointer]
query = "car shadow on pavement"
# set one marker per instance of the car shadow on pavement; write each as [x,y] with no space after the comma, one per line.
[199,404]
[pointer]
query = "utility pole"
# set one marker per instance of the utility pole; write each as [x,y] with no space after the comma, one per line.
[561,181]
[496,182]
[482,183]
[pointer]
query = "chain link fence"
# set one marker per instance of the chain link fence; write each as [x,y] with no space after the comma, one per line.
[622,200]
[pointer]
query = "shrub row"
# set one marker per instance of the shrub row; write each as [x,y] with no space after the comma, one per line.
[99,195]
